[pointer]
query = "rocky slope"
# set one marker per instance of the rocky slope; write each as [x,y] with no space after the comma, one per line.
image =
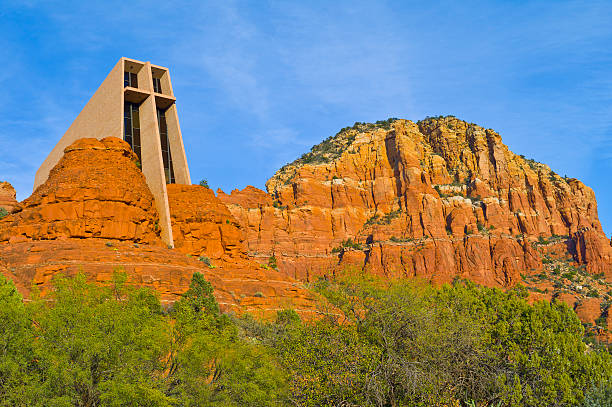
[96,215]
[437,199]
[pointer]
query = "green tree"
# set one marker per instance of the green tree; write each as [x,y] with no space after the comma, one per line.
[19,374]
[407,344]
[100,345]
[599,396]
[211,364]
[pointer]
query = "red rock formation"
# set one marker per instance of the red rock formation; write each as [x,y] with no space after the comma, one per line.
[33,265]
[7,196]
[437,199]
[202,225]
[95,191]
[593,249]
[96,215]
[589,310]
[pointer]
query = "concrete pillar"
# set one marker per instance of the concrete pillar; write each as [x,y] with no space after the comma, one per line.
[175,138]
[152,164]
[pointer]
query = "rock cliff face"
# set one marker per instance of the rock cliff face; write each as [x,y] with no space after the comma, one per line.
[438,199]
[96,215]
[203,226]
[7,196]
[95,191]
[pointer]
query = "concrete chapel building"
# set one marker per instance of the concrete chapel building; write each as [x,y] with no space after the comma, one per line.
[135,103]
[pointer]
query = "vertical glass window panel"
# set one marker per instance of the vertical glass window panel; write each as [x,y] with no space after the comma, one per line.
[157,85]
[136,119]
[165,158]
[131,129]
[136,136]
[165,146]
[126,79]
[171,168]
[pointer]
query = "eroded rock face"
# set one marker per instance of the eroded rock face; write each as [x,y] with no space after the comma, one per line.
[589,310]
[7,196]
[593,249]
[34,264]
[96,215]
[436,199]
[203,226]
[95,191]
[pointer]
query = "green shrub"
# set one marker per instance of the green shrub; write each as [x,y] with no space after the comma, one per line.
[599,396]
[401,240]
[204,183]
[206,261]
[277,204]
[383,220]
[570,275]
[272,262]
[352,244]
[593,293]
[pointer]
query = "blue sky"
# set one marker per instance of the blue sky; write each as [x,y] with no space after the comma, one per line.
[258,83]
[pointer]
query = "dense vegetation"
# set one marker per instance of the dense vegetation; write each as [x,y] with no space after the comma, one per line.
[116,346]
[394,344]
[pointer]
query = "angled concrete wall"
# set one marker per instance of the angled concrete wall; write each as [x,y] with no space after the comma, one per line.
[102,117]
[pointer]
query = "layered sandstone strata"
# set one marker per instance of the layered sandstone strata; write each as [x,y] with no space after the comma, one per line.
[203,226]
[34,264]
[95,215]
[438,199]
[95,191]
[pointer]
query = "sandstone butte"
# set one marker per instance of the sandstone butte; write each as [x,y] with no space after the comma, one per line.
[437,199]
[96,215]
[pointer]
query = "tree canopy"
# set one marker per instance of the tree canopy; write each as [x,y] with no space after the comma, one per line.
[394,343]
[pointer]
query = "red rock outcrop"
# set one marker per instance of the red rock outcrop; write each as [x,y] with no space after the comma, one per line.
[96,215]
[95,191]
[7,196]
[33,264]
[438,199]
[589,310]
[593,249]
[202,224]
